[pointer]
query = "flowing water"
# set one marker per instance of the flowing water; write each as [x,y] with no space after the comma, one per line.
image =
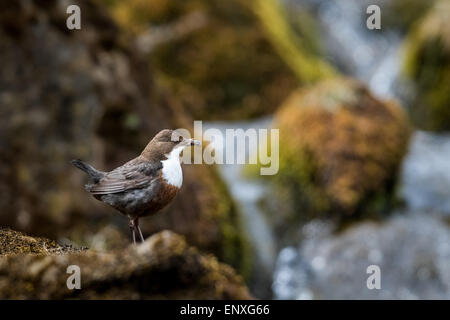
[412,247]
[247,193]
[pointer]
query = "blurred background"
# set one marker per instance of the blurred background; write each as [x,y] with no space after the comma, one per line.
[363,116]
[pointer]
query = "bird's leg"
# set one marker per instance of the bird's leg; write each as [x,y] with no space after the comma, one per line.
[133,230]
[136,223]
[140,233]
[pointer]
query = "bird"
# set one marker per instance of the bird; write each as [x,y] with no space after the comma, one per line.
[145,184]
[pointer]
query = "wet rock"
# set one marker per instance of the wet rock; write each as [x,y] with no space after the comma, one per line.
[427,64]
[412,252]
[90,94]
[164,267]
[340,150]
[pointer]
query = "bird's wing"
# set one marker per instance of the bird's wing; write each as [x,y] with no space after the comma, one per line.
[132,175]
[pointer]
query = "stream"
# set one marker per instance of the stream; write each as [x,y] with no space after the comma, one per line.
[247,193]
[412,246]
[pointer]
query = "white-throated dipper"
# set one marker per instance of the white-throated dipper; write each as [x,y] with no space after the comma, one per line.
[144,185]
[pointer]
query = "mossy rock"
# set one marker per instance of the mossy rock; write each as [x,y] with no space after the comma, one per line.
[427,63]
[164,267]
[13,242]
[229,68]
[340,150]
[91,94]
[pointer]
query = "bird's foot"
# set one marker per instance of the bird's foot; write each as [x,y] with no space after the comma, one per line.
[134,226]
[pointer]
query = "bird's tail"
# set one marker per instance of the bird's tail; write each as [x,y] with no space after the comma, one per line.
[90,170]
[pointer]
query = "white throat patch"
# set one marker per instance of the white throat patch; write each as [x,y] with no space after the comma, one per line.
[171,171]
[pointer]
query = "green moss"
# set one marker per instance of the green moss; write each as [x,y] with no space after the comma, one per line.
[427,64]
[298,171]
[306,66]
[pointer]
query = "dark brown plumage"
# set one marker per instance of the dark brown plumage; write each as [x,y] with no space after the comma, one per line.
[144,185]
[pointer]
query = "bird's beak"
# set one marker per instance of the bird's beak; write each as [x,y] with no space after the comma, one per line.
[194,142]
[191,142]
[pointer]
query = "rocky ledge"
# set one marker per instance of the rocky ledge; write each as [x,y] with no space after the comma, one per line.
[164,267]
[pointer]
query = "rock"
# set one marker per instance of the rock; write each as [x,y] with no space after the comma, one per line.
[90,94]
[340,150]
[51,106]
[226,68]
[427,64]
[411,250]
[164,267]
[13,242]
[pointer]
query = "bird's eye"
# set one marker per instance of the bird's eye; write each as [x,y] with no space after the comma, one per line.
[180,139]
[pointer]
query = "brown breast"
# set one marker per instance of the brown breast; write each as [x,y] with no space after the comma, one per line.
[165,195]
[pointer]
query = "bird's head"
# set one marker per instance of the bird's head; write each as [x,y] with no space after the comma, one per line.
[167,142]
